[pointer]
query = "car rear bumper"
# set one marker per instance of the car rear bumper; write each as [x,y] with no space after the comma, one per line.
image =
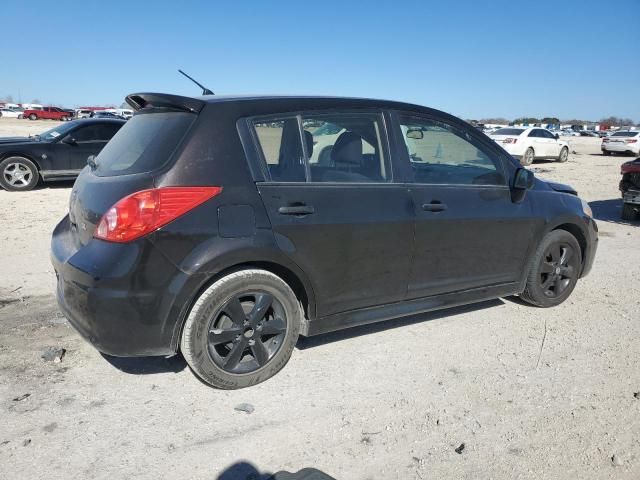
[621,147]
[125,299]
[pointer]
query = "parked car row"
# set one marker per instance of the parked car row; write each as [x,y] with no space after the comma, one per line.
[63,114]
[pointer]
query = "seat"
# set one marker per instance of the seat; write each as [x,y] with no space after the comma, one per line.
[346,157]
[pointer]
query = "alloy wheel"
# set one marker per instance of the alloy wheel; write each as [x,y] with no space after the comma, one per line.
[246,332]
[564,154]
[528,157]
[17,174]
[558,270]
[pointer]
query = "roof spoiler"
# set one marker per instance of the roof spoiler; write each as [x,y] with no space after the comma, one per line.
[164,100]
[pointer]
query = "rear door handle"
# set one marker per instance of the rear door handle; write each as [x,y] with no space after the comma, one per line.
[434,206]
[296,210]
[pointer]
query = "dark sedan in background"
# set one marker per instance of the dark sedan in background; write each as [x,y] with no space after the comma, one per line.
[57,154]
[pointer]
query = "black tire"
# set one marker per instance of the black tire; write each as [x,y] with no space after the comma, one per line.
[20,116]
[554,270]
[243,307]
[629,212]
[33,116]
[606,152]
[564,155]
[18,174]
[528,157]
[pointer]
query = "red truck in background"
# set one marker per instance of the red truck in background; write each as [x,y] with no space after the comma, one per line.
[48,113]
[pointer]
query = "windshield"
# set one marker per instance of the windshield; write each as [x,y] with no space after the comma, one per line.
[144,144]
[508,131]
[326,129]
[57,132]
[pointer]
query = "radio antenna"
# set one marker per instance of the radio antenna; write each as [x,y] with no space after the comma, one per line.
[205,90]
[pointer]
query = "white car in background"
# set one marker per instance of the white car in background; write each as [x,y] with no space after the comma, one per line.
[531,143]
[622,142]
[10,113]
[83,113]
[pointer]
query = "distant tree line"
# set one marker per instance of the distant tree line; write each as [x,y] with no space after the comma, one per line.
[9,99]
[611,121]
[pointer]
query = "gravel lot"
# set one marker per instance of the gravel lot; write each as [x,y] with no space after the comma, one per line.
[393,400]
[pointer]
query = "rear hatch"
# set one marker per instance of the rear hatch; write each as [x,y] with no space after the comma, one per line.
[146,145]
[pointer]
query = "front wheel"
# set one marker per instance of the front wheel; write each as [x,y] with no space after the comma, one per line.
[242,329]
[553,270]
[564,155]
[528,157]
[18,174]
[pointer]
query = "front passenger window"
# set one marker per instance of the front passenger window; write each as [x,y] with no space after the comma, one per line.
[443,154]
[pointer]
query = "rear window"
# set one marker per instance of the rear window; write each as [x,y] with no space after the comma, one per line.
[625,134]
[144,144]
[508,131]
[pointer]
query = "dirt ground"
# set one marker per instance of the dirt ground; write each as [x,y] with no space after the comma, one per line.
[531,393]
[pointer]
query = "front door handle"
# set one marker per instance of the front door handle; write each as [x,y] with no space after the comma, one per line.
[296,210]
[434,206]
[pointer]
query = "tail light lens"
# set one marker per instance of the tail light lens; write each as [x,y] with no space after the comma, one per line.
[510,140]
[630,141]
[605,140]
[144,212]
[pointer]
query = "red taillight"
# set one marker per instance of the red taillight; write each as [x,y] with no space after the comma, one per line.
[605,140]
[143,212]
[630,141]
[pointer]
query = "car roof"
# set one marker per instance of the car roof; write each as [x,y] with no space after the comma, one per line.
[278,103]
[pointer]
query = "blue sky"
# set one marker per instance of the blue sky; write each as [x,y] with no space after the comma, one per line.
[471,58]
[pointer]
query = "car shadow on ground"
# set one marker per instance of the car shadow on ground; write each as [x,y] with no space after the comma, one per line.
[316,341]
[56,185]
[610,211]
[177,363]
[147,365]
[246,471]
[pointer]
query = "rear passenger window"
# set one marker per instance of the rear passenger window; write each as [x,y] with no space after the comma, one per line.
[345,147]
[440,153]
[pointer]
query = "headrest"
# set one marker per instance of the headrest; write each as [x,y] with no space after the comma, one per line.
[347,149]
[308,139]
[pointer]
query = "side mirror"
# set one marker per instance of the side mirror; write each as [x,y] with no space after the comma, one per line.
[69,140]
[523,179]
[557,136]
[415,134]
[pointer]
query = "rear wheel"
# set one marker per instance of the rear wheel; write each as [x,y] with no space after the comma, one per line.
[564,155]
[606,152]
[20,116]
[629,212]
[18,174]
[242,329]
[33,116]
[528,157]
[554,270]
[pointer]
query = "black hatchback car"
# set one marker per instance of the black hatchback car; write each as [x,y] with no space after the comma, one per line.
[225,227]
[57,154]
